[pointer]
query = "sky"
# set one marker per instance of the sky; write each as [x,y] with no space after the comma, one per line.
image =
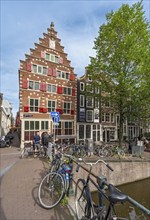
[24,22]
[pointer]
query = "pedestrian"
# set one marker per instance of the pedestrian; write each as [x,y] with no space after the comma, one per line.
[45,142]
[36,142]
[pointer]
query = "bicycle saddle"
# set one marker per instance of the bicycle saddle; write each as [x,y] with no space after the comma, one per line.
[116,195]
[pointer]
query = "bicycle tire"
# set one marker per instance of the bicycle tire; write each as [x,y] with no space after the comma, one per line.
[82,200]
[51,190]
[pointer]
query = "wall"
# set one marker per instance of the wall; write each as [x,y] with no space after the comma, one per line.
[124,171]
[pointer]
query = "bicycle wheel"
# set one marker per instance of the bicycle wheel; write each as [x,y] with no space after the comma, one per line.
[82,201]
[51,190]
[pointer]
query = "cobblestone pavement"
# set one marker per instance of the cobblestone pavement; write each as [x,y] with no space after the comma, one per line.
[19,187]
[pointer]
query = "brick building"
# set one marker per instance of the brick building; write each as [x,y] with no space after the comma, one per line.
[47,83]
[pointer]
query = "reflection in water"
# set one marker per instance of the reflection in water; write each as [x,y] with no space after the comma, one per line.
[139,191]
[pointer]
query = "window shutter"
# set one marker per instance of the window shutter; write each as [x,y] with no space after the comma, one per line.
[72,112]
[44,110]
[54,72]
[26,108]
[42,54]
[41,86]
[24,83]
[59,89]
[61,60]
[44,87]
[72,77]
[73,91]
[40,109]
[28,67]
[59,110]
[50,71]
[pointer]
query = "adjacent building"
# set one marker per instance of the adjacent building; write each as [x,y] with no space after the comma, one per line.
[47,83]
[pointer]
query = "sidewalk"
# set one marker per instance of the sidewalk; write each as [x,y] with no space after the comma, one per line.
[19,193]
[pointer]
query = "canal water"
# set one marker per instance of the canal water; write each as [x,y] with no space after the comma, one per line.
[139,191]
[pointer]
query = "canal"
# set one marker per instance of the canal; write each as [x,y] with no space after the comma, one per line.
[139,191]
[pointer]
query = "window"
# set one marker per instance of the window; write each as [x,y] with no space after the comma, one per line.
[68,128]
[89,88]
[81,131]
[82,86]
[52,58]
[34,85]
[89,102]
[31,127]
[107,117]
[58,129]
[52,44]
[51,88]
[103,117]
[51,105]
[44,125]
[88,131]
[96,102]
[82,100]
[67,107]
[67,91]
[112,117]
[89,115]
[39,69]
[34,105]
[112,133]
[97,90]
[62,74]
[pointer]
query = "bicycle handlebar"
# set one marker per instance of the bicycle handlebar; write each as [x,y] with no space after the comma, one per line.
[88,163]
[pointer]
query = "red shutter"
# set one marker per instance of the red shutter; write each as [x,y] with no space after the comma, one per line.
[41,86]
[42,54]
[28,67]
[72,112]
[50,71]
[59,110]
[61,60]
[54,72]
[44,87]
[44,110]
[24,83]
[73,92]
[40,109]
[26,108]
[59,89]
[72,77]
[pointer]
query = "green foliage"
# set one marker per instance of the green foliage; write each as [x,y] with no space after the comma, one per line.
[64,201]
[122,62]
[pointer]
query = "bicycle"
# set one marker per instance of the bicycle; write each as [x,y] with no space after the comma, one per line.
[86,209]
[28,151]
[56,184]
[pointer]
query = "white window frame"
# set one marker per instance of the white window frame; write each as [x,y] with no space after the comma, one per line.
[48,84]
[34,105]
[89,111]
[92,104]
[68,91]
[34,87]
[51,107]
[52,58]
[82,100]
[82,84]
[37,69]
[66,110]
[52,44]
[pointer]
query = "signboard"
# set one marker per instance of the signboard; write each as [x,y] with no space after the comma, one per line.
[54,114]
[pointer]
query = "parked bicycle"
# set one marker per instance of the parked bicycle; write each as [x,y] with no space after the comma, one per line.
[87,209]
[56,184]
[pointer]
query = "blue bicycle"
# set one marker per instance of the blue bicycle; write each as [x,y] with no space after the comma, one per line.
[55,185]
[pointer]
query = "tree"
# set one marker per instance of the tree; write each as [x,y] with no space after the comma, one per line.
[121,61]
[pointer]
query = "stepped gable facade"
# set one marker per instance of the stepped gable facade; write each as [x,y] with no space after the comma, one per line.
[47,83]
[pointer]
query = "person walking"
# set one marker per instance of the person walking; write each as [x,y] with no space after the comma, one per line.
[45,141]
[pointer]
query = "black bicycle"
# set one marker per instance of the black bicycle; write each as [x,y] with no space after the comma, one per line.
[86,209]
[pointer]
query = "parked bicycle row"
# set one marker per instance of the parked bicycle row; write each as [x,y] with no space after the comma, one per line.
[59,179]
